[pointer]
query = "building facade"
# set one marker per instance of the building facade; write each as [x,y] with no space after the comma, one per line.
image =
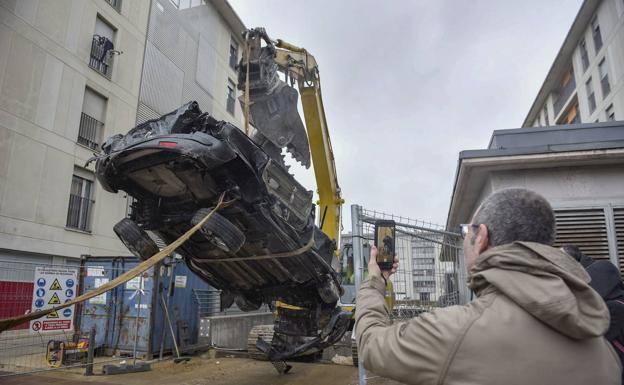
[578,168]
[191,53]
[586,81]
[70,73]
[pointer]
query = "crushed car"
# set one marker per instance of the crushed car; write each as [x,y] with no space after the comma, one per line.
[175,168]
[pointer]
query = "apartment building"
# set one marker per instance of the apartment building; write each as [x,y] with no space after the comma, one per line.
[191,53]
[70,75]
[585,84]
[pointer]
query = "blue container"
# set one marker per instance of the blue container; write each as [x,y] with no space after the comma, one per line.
[115,314]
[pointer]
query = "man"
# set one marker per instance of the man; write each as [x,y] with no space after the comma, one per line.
[576,253]
[535,320]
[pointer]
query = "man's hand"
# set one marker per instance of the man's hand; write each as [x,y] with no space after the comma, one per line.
[373,267]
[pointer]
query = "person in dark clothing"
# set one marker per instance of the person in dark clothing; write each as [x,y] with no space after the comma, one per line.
[576,253]
[606,281]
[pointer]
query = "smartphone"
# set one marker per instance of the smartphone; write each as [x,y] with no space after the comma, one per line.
[385,241]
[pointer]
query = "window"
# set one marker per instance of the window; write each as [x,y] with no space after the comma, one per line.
[591,98]
[102,48]
[80,203]
[91,119]
[610,112]
[584,55]
[233,53]
[596,34]
[546,122]
[115,4]
[230,97]
[603,70]
[425,296]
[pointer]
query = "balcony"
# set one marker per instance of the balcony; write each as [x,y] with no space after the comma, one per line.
[79,212]
[99,60]
[564,94]
[89,131]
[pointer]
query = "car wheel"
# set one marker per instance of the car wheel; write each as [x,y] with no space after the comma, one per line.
[220,231]
[135,239]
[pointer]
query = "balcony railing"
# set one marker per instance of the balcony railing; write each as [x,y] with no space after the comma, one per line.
[79,212]
[115,4]
[564,95]
[89,131]
[99,60]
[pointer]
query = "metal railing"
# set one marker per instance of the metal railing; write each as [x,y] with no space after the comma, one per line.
[89,131]
[99,59]
[564,95]
[79,212]
[115,4]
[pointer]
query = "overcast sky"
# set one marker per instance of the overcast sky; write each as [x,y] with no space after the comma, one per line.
[407,85]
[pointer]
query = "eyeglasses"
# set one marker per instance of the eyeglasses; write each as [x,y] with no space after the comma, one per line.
[464,227]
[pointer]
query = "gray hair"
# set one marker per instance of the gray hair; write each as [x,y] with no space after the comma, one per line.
[516,214]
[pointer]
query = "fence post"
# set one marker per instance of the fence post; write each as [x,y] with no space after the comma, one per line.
[90,352]
[358,266]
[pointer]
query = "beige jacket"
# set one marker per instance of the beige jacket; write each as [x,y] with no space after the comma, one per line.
[535,321]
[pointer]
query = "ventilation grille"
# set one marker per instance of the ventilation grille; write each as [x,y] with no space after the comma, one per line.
[618,219]
[585,228]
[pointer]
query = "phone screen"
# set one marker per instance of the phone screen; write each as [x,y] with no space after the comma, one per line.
[385,243]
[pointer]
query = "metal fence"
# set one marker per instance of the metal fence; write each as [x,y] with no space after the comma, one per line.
[56,341]
[431,270]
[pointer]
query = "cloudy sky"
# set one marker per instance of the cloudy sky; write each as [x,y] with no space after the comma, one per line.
[407,85]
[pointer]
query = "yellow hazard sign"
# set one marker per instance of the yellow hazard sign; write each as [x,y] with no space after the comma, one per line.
[54,314]
[56,285]
[55,300]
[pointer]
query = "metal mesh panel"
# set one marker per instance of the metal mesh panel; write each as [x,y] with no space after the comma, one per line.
[430,271]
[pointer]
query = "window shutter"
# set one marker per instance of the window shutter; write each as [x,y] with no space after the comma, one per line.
[585,228]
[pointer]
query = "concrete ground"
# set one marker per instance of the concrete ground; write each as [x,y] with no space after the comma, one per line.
[204,371]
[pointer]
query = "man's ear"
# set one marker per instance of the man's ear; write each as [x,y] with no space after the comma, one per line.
[482,241]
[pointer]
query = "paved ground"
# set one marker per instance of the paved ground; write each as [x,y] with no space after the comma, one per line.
[205,371]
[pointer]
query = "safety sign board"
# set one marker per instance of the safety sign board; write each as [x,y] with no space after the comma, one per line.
[53,286]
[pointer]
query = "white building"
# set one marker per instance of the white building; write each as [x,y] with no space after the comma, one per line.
[586,81]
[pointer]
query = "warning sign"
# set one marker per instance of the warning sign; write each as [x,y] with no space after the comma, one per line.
[53,286]
[56,285]
[54,300]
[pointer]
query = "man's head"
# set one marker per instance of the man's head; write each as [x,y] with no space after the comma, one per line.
[507,216]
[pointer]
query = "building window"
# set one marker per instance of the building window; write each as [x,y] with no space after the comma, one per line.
[91,119]
[233,53]
[546,121]
[584,55]
[115,4]
[230,97]
[596,34]
[80,204]
[591,98]
[102,48]
[610,113]
[603,70]
[425,296]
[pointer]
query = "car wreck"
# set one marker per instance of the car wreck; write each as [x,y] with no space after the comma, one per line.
[176,167]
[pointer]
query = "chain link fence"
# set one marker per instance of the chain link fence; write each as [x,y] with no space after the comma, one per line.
[107,329]
[431,270]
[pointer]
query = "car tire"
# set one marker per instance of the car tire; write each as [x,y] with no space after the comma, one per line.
[220,231]
[135,239]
